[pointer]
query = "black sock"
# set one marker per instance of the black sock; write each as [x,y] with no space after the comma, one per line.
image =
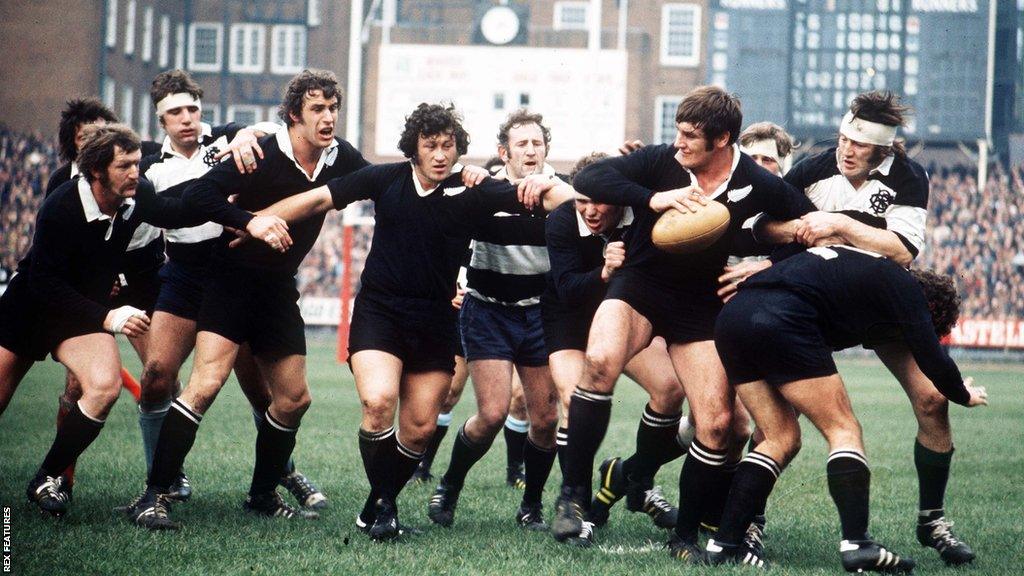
[538,467]
[433,445]
[177,436]
[465,453]
[712,518]
[561,439]
[274,445]
[754,480]
[932,476]
[849,483]
[655,443]
[515,441]
[372,446]
[403,463]
[589,414]
[75,433]
[702,471]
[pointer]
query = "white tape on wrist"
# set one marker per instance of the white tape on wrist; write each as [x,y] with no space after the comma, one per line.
[121,317]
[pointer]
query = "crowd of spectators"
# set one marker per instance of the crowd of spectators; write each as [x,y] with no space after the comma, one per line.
[976,237]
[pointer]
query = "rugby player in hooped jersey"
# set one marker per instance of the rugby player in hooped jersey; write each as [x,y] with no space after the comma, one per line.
[657,293]
[869,194]
[402,334]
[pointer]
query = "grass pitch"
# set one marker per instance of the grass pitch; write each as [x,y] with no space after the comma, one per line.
[984,496]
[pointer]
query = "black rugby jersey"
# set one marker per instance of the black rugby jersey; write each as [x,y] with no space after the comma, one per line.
[632,180]
[858,293]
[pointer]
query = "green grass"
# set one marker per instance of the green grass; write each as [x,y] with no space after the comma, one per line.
[984,496]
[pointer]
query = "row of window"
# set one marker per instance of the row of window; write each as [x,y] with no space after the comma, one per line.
[247,47]
[680,29]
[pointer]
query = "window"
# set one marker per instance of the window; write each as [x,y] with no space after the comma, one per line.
[205,40]
[127,104]
[247,41]
[571,16]
[147,34]
[111,39]
[164,55]
[665,118]
[313,12]
[288,51]
[680,35]
[109,92]
[145,114]
[245,115]
[211,114]
[179,46]
[129,29]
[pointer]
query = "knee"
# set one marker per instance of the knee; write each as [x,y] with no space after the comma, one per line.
[933,409]
[101,387]
[715,429]
[492,417]
[599,370]
[378,411]
[294,403]
[158,381]
[669,398]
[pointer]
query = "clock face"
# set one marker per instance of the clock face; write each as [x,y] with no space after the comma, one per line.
[500,25]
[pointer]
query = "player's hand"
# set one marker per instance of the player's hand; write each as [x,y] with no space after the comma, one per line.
[687,199]
[830,241]
[460,294]
[531,189]
[116,288]
[244,148]
[630,146]
[272,230]
[473,175]
[126,320]
[816,225]
[241,237]
[979,396]
[614,257]
[730,281]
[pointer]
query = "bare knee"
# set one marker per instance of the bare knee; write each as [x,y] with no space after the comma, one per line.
[158,381]
[378,411]
[932,410]
[293,403]
[668,399]
[599,370]
[715,429]
[101,389]
[491,417]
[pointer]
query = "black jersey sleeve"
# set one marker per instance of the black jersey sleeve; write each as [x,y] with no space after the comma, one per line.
[52,251]
[907,304]
[782,201]
[59,176]
[228,131]
[163,210]
[487,198]
[207,197]
[365,183]
[620,180]
[574,282]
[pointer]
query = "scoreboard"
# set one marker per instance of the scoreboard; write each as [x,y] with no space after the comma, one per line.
[800,62]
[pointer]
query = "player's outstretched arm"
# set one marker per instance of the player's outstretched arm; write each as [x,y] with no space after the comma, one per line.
[301,206]
[817,225]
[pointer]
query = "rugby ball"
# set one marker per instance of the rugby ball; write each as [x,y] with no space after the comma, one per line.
[688,232]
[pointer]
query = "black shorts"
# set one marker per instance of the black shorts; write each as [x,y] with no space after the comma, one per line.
[421,333]
[140,290]
[181,292]
[28,330]
[498,332]
[679,315]
[565,329]
[772,335]
[257,307]
[460,350]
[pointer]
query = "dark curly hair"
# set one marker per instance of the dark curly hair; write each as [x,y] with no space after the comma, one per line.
[99,145]
[77,113]
[714,111]
[942,297]
[519,118]
[172,82]
[430,120]
[302,84]
[587,160]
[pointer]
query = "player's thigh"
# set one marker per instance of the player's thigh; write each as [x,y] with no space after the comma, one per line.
[652,369]
[378,377]
[214,357]
[141,345]
[775,418]
[95,361]
[566,371]
[617,333]
[707,389]
[171,340]
[539,393]
[517,406]
[928,402]
[251,379]
[492,383]
[824,401]
[12,370]
[421,397]
[289,389]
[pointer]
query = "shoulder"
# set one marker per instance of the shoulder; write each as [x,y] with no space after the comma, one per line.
[562,217]
[61,201]
[149,162]
[150,147]
[812,169]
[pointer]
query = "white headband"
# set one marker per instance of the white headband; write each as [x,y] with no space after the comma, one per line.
[867,132]
[764,148]
[177,100]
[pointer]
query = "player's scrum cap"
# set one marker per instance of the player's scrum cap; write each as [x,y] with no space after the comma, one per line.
[177,100]
[866,131]
[766,147]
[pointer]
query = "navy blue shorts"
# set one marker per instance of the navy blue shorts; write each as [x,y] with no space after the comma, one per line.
[679,315]
[497,332]
[771,335]
[181,293]
[420,333]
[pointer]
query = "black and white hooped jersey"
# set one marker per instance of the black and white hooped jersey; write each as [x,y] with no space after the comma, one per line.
[632,180]
[895,196]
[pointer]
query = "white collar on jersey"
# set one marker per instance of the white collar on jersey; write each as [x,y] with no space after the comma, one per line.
[885,166]
[424,192]
[732,170]
[74,170]
[327,155]
[205,131]
[625,220]
[92,209]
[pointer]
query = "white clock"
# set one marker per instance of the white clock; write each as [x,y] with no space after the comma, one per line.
[500,25]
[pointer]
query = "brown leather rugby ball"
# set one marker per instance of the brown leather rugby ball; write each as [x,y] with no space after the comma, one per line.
[688,232]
